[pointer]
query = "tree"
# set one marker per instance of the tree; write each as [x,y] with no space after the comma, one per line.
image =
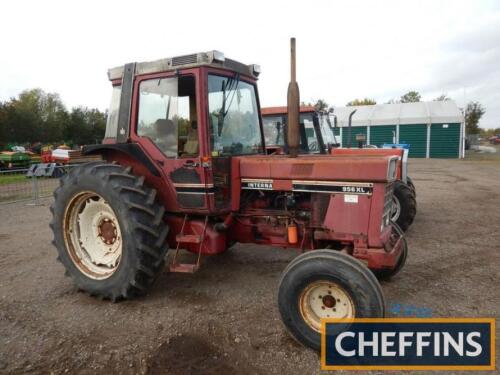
[37,116]
[321,105]
[365,101]
[3,119]
[85,126]
[411,97]
[486,133]
[96,121]
[442,98]
[473,114]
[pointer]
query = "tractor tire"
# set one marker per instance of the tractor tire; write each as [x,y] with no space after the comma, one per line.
[404,205]
[326,284]
[108,230]
[386,274]
[410,183]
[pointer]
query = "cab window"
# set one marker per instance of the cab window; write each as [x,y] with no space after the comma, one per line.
[306,122]
[234,124]
[167,115]
[274,130]
[112,123]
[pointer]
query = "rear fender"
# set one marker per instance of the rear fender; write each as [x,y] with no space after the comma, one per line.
[132,155]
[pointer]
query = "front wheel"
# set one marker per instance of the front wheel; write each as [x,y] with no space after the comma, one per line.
[326,284]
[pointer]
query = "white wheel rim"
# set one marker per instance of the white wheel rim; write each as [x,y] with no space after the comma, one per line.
[92,235]
[322,300]
[396,209]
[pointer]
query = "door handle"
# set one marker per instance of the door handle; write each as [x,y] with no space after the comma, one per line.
[190,164]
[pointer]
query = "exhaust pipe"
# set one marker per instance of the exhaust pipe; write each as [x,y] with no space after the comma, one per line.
[349,133]
[293,104]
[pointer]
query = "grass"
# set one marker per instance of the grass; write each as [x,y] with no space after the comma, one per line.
[12,178]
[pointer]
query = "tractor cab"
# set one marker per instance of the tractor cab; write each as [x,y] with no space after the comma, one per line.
[188,116]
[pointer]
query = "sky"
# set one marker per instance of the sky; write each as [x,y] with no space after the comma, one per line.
[345,49]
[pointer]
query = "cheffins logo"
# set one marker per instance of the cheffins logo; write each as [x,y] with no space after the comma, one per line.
[408,344]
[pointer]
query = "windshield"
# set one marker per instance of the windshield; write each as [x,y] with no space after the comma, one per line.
[233,117]
[326,125]
[274,130]
[309,135]
[328,131]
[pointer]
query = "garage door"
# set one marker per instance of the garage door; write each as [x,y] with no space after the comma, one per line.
[445,141]
[382,134]
[416,136]
[355,130]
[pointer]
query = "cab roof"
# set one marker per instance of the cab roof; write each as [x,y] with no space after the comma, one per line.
[267,111]
[214,59]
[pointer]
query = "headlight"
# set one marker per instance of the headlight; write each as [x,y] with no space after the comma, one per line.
[256,69]
[219,56]
[391,168]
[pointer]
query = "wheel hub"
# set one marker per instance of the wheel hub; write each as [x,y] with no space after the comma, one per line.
[396,209]
[92,235]
[322,300]
[107,231]
[329,301]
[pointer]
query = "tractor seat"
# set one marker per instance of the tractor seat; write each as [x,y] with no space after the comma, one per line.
[191,145]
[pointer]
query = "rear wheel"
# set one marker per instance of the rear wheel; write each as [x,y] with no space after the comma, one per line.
[108,230]
[404,206]
[326,284]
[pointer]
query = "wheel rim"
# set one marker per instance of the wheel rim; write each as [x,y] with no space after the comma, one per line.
[396,208]
[92,235]
[325,299]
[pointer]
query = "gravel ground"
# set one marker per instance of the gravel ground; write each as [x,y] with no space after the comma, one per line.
[224,318]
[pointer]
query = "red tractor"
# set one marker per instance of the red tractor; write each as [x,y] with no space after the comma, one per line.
[317,136]
[184,167]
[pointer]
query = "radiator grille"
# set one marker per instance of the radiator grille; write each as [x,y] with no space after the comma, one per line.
[184,60]
[387,205]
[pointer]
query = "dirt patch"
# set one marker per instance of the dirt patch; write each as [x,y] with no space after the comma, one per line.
[224,318]
[192,354]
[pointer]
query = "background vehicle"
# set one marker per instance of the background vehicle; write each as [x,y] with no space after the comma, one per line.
[14,160]
[185,166]
[319,137]
[495,139]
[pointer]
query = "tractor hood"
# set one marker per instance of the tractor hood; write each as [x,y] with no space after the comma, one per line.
[319,168]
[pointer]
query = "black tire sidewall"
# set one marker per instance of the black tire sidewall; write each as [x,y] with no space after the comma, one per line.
[411,185]
[359,286]
[407,204]
[113,284]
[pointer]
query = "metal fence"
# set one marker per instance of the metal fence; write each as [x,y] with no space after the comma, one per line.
[30,184]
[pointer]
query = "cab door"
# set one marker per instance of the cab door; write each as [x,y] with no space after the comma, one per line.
[233,129]
[166,126]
